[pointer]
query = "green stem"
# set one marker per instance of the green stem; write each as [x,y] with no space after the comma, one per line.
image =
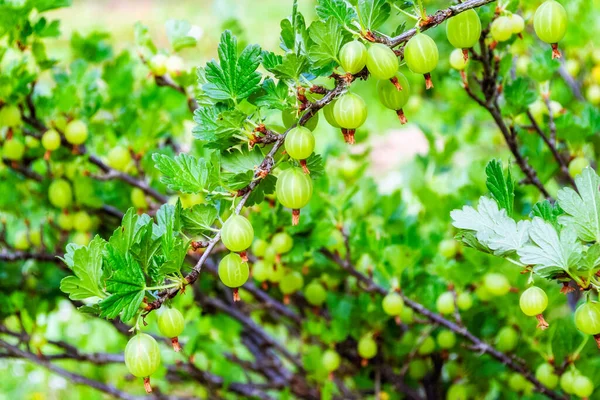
[169,286]
[575,355]
[516,262]
[406,13]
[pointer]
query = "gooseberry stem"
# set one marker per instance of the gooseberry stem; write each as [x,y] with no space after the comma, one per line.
[162,287]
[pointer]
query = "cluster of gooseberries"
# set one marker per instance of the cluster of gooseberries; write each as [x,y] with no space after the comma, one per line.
[142,353]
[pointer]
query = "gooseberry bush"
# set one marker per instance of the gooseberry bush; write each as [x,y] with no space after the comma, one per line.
[208,226]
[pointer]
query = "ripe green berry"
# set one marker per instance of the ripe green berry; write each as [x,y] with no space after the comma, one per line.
[577,165]
[51,140]
[158,64]
[457,60]
[237,233]
[300,143]
[60,193]
[518,383]
[464,29]
[350,112]
[427,346]
[330,360]
[391,97]
[546,375]
[233,272]
[583,386]
[259,247]
[291,283]
[367,347]
[533,301]
[81,238]
[315,293]
[464,301]
[328,112]
[35,237]
[21,241]
[506,339]
[65,221]
[142,357]
[138,199]
[567,380]
[282,242]
[382,62]
[294,190]
[353,57]
[119,158]
[417,369]
[13,149]
[171,324]
[290,117]
[10,116]
[393,304]
[457,391]
[276,273]
[407,316]
[421,56]
[76,132]
[496,284]
[517,23]
[501,29]
[550,24]
[445,303]
[82,221]
[446,339]
[587,318]
[261,270]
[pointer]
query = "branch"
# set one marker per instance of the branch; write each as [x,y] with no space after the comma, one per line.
[23,256]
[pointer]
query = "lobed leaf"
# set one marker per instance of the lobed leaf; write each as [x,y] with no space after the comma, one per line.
[582,209]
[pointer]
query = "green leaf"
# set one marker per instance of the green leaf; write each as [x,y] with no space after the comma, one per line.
[126,285]
[147,247]
[183,173]
[274,95]
[327,38]
[86,263]
[217,127]
[502,190]
[315,165]
[174,257]
[124,236]
[199,219]
[343,12]
[373,13]
[582,209]
[492,227]
[591,260]
[233,78]
[519,95]
[547,211]
[264,188]
[270,60]
[177,32]
[291,67]
[46,5]
[294,36]
[240,161]
[549,252]
[565,339]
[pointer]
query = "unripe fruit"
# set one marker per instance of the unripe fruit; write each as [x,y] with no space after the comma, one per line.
[517,23]
[158,64]
[587,318]
[138,199]
[533,301]
[237,233]
[174,65]
[445,303]
[567,381]
[290,117]
[10,116]
[367,347]
[350,111]
[463,30]
[391,97]
[261,271]
[427,346]
[31,142]
[82,221]
[291,283]
[232,271]
[457,391]
[573,67]
[417,369]
[457,60]
[518,383]
[276,273]
[21,241]
[60,193]
[81,238]
[464,301]
[328,112]
[407,316]
[35,237]
[171,324]
[13,149]
[65,221]
[294,190]
[592,94]
[421,56]
[51,140]
[501,29]
[142,355]
[382,62]
[76,132]
[299,143]
[353,57]
[496,284]
[259,247]
[545,374]
[550,22]
[507,339]
[583,387]
[119,158]
[331,360]
[393,304]
[315,294]
[446,339]
[282,242]
[577,165]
